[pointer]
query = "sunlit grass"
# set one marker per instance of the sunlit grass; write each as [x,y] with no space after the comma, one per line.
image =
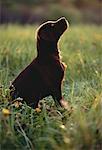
[48,127]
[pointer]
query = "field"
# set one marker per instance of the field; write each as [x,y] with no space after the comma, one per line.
[50,127]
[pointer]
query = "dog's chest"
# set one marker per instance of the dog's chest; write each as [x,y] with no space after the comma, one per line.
[52,73]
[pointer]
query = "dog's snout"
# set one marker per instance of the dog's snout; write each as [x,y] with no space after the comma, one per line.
[62,21]
[62,24]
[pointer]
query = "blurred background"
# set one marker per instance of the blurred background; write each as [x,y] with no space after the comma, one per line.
[38,11]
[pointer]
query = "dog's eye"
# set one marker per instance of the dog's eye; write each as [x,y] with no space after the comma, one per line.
[52,24]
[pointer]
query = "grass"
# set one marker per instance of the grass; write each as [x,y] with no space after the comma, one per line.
[51,128]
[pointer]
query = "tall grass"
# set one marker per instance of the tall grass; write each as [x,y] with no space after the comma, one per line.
[77,128]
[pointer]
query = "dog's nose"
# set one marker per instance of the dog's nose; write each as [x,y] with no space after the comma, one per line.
[62,19]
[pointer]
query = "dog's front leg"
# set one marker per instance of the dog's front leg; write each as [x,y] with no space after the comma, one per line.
[57,95]
[34,103]
[58,98]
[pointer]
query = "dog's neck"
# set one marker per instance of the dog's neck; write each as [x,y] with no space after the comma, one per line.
[47,49]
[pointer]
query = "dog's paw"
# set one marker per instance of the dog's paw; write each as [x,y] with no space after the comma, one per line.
[64,104]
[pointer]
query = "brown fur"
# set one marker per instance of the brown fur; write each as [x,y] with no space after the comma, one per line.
[43,77]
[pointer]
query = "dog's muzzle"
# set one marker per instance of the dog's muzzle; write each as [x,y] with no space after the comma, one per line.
[62,23]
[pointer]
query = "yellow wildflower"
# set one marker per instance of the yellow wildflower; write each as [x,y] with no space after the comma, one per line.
[62,127]
[38,110]
[6,112]
[66,140]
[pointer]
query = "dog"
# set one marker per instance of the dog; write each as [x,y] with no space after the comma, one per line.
[44,75]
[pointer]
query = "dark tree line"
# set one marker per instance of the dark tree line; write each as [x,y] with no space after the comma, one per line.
[32,11]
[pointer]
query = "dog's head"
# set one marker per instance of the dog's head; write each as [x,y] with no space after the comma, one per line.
[52,30]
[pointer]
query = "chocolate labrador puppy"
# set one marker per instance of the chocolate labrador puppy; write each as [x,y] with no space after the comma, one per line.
[44,76]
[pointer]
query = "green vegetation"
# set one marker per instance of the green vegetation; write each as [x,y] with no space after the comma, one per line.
[52,128]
